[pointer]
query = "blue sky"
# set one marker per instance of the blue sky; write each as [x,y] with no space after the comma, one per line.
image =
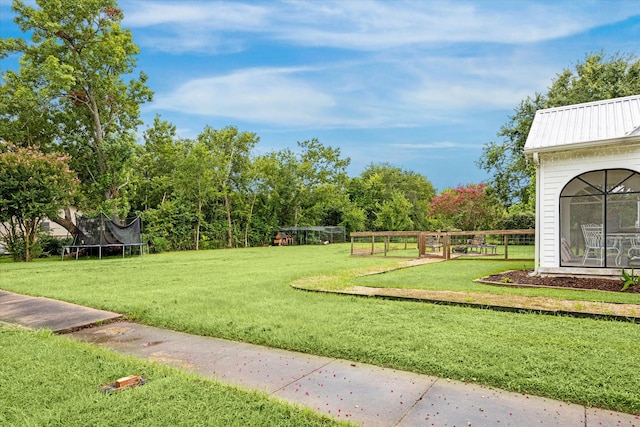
[422,85]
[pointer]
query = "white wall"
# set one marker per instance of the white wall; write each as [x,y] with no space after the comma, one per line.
[56,230]
[556,169]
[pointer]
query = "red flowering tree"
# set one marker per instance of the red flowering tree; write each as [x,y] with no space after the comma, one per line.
[34,186]
[466,208]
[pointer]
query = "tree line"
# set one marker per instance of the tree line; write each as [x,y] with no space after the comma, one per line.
[212,191]
[70,112]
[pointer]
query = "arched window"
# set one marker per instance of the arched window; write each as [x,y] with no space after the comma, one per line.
[600,219]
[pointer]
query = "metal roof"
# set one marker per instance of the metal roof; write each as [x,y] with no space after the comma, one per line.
[587,124]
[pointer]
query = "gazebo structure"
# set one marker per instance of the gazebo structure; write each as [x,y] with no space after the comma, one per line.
[587,159]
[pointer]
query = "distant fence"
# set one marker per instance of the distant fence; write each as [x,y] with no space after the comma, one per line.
[486,244]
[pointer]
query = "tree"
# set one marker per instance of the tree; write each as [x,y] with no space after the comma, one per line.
[305,188]
[212,176]
[165,190]
[157,163]
[195,182]
[394,214]
[598,77]
[383,183]
[69,93]
[230,154]
[353,218]
[466,208]
[512,174]
[34,186]
[320,179]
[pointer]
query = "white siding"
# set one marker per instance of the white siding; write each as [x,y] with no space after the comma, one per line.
[556,170]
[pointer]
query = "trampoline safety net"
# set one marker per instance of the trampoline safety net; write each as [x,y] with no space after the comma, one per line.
[104,232]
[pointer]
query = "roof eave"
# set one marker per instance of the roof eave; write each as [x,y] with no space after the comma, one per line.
[584,144]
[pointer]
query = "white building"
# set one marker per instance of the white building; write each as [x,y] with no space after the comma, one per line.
[51,228]
[587,159]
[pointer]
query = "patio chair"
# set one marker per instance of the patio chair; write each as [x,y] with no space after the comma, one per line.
[595,245]
[566,253]
[635,246]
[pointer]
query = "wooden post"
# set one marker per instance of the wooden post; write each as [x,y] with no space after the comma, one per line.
[386,244]
[506,246]
[422,245]
[351,245]
[447,246]
[373,244]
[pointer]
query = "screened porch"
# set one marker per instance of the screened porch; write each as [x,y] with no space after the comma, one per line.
[600,220]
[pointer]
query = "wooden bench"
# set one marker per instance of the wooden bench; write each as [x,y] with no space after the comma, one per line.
[433,242]
[479,244]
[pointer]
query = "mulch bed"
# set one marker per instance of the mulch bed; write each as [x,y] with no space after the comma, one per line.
[522,277]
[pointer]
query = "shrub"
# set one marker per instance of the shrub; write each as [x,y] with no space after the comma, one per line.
[159,244]
[629,279]
[52,245]
[519,221]
[18,249]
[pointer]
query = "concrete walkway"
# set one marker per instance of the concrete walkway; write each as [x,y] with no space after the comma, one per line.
[59,316]
[363,394]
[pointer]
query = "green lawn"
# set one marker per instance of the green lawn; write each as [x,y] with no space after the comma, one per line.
[455,275]
[53,381]
[245,295]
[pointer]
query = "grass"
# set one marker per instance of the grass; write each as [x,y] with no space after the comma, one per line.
[458,275]
[51,380]
[246,295]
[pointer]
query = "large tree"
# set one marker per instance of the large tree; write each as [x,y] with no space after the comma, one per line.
[381,186]
[304,188]
[230,153]
[70,92]
[34,186]
[512,180]
[394,214]
[598,77]
[213,177]
[157,162]
[466,208]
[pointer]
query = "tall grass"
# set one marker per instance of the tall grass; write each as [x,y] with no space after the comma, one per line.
[245,295]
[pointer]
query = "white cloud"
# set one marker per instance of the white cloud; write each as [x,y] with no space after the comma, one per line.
[448,60]
[497,81]
[263,95]
[355,94]
[370,25]
[465,96]
[204,27]
[218,15]
[374,25]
